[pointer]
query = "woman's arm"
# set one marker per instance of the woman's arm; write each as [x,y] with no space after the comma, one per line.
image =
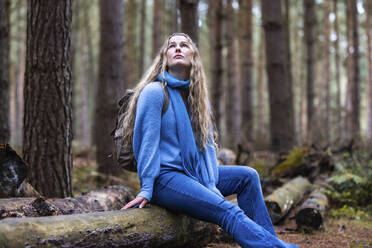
[146,139]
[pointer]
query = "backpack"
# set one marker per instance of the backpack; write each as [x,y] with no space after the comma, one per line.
[123,154]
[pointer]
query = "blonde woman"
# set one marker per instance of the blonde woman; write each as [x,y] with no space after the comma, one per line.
[175,150]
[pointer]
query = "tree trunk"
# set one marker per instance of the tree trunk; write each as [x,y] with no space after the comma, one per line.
[339,125]
[189,18]
[246,44]
[215,16]
[281,103]
[309,29]
[281,201]
[158,26]
[368,6]
[149,227]
[262,132]
[130,57]
[110,82]
[325,95]
[48,92]
[310,216]
[106,199]
[4,72]
[232,89]
[142,38]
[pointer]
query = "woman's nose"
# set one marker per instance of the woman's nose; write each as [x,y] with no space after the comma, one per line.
[178,49]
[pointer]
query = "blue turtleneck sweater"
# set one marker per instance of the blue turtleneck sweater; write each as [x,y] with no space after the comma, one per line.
[155,141]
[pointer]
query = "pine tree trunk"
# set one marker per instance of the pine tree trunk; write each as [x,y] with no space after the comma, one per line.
[353,91]
[246,44]
[48,97]
[142,37]
[110,82]
[325,103]
[189,18]
[368,6]
[309,29]
[158,26]
[130,57]
[339,125]
[4,72]
[261,89]
[232,89]
[281,105]
[215,25]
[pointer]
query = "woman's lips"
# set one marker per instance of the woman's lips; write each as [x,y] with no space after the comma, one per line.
[178,57]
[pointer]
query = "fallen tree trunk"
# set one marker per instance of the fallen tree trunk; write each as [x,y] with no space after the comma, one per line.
[284,198]
[311,214]
[108,198]
[149,227]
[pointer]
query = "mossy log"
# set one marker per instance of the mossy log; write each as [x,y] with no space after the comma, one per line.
[310,215]
[108,198]
[284,198]
[148,227]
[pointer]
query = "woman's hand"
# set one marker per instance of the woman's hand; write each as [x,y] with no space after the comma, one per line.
[142,201]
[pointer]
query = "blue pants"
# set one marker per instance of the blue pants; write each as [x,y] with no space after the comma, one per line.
[249,224]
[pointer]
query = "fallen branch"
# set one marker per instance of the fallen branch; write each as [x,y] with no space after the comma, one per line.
[284,198]
[310,215]
[149,227]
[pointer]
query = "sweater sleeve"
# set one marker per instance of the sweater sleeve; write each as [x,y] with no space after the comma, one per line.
[146,137]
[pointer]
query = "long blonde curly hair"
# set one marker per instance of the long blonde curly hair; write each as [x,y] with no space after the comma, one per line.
[201,116]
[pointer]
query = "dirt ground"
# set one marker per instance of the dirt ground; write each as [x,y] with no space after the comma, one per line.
[337,233]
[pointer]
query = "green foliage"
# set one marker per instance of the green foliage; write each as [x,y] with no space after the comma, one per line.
[351,184]
[294,159]
[349,213]
[262,167]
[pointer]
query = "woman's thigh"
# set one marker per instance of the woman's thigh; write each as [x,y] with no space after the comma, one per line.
[178,192]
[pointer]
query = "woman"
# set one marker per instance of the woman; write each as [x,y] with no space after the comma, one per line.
[175,151]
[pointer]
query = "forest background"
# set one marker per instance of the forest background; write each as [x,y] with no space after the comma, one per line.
[281,73]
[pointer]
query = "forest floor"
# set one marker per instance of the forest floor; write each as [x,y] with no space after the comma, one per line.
[337,232]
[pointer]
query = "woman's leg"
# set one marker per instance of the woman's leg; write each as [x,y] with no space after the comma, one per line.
[245,182]
[177,192]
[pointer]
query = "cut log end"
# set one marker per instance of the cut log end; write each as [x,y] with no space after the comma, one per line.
[309,218]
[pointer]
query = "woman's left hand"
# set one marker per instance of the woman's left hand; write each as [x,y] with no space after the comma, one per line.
[142,201]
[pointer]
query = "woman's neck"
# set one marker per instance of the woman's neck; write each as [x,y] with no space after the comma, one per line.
[181,74]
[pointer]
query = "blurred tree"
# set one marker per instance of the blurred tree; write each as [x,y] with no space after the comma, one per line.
[353,84]
[158,26]
[310,34]
[246,57]
[110,81]
[281,106]
[142,37]
[130,51]
[368,7]
[232,87]
[339,120]
[4,72]
[189,18]
[48,115]
[215,17]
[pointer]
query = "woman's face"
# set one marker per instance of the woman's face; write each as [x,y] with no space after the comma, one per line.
[179,52]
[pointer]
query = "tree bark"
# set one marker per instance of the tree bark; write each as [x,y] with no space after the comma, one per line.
[48,92]
[106,199]
[130,56]
[281,201]
[158,26]
[149,227]
[232,107]
[280,92]
[142,37]
[189,18]
[215,17]
[110,83]
[310,216]
[247,68]
[309,29]
[4,72]
[369,62]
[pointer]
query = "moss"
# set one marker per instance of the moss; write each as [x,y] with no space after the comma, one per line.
[294,159]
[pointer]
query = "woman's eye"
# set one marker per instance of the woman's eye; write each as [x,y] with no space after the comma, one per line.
[185,45]
[171,46]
